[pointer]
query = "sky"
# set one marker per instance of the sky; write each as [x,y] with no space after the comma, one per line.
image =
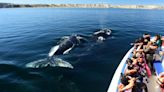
[122,2]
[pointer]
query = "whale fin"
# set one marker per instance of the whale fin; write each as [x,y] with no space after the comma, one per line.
[67,51]
[53,50]
[61,63]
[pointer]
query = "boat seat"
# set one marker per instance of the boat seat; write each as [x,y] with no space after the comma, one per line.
[158,67]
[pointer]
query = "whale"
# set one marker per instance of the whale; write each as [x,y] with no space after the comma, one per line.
[65,46]
[102,34]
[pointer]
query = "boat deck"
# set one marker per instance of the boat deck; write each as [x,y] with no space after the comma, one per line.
[152,84]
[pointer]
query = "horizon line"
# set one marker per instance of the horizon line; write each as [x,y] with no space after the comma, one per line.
[81,3]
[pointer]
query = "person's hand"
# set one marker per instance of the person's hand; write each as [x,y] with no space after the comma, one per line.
[120,87]
[161,53]
[132,80]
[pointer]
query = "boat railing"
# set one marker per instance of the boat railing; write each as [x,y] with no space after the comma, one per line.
[121,68]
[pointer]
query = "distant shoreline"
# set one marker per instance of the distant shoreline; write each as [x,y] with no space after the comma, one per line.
[10,5]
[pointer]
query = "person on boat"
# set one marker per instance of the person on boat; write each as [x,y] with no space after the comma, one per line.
[134,71]
[140,43]
[140,62]
[149,51]
[162,38]
[160,53]
[160,81]
[146,38]
[157,40]
[143,69]
[130,84]
[127,84]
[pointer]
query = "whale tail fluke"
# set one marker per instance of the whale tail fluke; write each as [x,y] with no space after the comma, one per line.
[61,63]
[49,62]
[38,64]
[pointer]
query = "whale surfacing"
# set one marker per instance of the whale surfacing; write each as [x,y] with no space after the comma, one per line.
[65,46]
[102,34]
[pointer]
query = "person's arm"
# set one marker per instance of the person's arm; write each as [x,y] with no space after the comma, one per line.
[134,61]
[148,45]
[161,53]
[161,75]
[120,87]
[145,36]
[153,47]
[129,86]
[130,71]
[139,47]
[140,50]
[160,81]
[162,42]
[162,38]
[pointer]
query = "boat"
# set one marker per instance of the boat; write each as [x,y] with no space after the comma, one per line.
[152,85]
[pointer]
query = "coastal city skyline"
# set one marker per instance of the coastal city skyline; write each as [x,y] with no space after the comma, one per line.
[122,2]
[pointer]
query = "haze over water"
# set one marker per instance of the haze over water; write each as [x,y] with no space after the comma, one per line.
[27,34]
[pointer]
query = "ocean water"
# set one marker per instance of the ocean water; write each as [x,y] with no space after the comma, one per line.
[28,34]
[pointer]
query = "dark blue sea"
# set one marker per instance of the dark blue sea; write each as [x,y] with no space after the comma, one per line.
[28,34]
